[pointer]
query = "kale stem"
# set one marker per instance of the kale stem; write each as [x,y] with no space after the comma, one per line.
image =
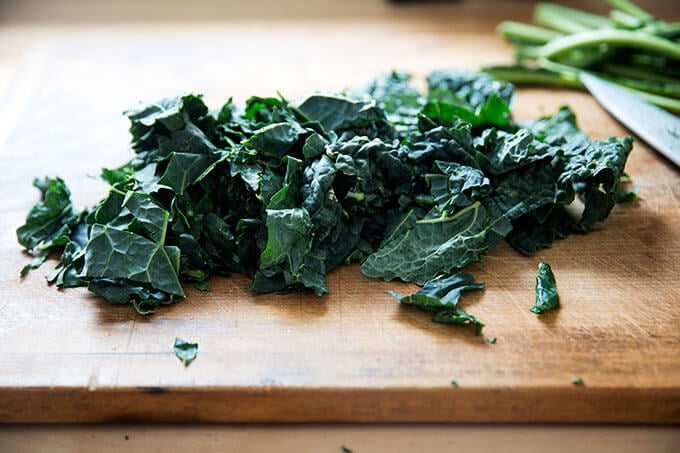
[546,14]
[572,72]
[662,101]
[664,29]
[634,71]
[631,8]
[525,33]
[578,20]
[527,52]
[625,20]
[616,38]
[521,75]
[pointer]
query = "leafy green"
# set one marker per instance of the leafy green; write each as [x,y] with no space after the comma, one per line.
[441,295]
[546,290]
[185,351]
[419,250]
[412,186]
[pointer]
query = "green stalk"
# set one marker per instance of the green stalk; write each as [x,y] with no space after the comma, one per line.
[527,52]
[521,75]
[545,15]
[664,29]
[625,20]
[633,71]
[631,8]
[525,33]
[656,88]
[618,38]
[568,71]
[551,11]
[662,101]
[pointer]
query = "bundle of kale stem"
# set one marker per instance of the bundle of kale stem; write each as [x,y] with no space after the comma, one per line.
[413,187]
[630,47]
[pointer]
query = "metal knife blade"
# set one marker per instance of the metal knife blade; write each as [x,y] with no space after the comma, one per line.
[659,128]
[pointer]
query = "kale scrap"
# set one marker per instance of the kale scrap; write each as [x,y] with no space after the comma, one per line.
[411,186]
[547,297]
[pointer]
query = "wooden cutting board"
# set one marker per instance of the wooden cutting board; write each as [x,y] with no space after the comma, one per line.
[354,355]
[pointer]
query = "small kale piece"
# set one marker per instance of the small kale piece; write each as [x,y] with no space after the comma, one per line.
[441,295]
[546,290]
[185,351]
[458,316]
[51,222]
[625,196]
[578,381]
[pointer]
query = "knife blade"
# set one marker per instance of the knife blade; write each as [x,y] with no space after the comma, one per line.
[659,128]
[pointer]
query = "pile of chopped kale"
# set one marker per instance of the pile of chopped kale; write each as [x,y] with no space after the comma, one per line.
[411,186]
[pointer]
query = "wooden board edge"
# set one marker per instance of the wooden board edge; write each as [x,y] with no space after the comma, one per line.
[301,405]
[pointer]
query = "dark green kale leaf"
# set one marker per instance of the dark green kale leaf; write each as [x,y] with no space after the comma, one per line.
[419,250]
[117,254]
[185,351]
[287,261]
[475,98]
[458,316]
[471,88]
[275,140]
[594,173]
[441,295]
[50,223]
[457,185]
[343,115]
[546,290]
[398,99]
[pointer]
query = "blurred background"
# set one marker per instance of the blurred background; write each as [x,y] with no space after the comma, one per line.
[71,11]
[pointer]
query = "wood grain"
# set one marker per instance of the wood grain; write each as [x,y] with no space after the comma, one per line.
[354,355]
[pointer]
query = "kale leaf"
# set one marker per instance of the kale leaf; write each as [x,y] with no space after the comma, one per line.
[441,295]
[546,290]
[185,351]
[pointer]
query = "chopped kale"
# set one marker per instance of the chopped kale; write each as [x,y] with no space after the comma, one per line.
[412,186]
[185,351]
[577,381]
[546,290]
[441,295]
[491,340]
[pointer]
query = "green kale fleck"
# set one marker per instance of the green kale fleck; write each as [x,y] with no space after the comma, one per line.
[577,381]
[202,286]
[185,351]
[491,340]
[546,290]
[625,196]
